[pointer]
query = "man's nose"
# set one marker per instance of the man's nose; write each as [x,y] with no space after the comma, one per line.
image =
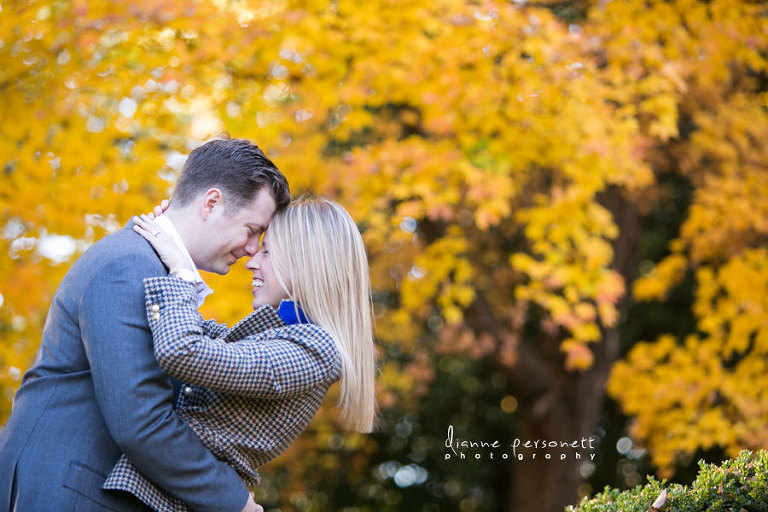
[252,247]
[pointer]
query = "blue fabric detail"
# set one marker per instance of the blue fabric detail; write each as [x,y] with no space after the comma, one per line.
[287,312]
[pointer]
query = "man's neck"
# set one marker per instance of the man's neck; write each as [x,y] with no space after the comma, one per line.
[187,231]
[183,231]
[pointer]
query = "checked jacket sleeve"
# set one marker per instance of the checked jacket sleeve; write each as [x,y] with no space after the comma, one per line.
[214,329]
[250,324]
[260,357]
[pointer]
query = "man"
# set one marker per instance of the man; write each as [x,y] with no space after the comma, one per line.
[96,391]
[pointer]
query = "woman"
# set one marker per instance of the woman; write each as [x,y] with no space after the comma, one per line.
[251,390]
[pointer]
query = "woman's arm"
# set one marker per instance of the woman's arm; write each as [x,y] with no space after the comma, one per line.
[172,257]
[256,322]
[281,362]
[214,329]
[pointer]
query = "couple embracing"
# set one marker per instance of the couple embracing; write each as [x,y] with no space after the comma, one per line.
[136,403]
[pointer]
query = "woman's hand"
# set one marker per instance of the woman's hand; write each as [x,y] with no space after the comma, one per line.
[252,506]
[159,209]
[169,253]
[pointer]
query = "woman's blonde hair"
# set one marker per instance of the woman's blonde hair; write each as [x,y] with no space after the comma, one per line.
[320,260]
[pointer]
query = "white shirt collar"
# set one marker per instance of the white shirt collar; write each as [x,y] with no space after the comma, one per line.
[203,290]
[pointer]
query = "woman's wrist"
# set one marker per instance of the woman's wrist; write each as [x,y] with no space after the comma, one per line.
[182,272]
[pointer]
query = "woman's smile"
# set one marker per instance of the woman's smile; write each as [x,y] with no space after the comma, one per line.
[265,286]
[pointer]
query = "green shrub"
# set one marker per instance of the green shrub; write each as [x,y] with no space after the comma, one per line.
[738,485]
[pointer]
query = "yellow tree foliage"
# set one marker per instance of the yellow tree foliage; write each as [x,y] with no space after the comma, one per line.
[482,145]
[708,389]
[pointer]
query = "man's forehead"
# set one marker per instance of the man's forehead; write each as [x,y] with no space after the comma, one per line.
[260,209]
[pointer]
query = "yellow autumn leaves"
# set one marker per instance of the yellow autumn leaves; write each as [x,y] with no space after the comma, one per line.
[708,389]
[474,141]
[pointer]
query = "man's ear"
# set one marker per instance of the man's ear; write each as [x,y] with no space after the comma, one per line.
[212,199]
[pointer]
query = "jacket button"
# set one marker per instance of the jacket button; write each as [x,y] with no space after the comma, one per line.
[187,392]
[155,307]
[155,316]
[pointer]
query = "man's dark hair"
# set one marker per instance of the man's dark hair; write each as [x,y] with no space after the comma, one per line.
[238,167]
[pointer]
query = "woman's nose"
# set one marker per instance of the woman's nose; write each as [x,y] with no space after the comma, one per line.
[253,262]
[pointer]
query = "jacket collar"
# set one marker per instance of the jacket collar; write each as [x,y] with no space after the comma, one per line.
[291,313]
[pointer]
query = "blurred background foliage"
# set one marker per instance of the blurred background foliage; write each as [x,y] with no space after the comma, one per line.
[564,204]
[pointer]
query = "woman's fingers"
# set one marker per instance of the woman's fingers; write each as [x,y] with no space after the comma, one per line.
[140,228]
[159,209]
[141,232]
[145,226]
[166,248]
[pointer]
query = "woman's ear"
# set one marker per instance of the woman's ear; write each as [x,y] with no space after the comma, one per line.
[211,200]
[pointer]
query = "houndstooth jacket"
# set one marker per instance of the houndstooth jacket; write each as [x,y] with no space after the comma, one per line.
[250,390]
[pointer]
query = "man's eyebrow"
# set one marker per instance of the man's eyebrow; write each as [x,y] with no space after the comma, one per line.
[257,226]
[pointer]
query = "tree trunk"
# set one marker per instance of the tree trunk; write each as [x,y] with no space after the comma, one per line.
[567,413]
[562,406]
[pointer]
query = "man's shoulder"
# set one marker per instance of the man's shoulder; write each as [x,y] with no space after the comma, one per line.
[124,245]
[121,241]
[122,258]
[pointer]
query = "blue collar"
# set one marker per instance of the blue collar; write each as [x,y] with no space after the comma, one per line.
[287,312]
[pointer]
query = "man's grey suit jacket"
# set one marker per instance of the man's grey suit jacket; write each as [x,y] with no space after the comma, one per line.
[96,390]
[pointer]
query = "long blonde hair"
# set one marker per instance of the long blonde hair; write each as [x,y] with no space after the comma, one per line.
[316,245]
